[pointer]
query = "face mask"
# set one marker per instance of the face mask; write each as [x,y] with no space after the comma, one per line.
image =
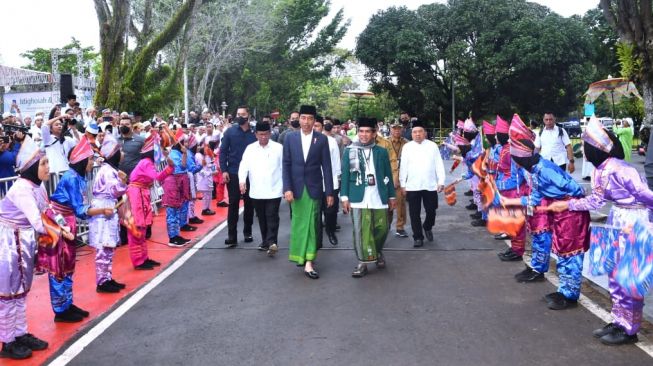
[294,123]
[125,130]
[241,121]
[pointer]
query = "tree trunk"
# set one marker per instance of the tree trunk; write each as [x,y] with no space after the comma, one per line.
[647,95]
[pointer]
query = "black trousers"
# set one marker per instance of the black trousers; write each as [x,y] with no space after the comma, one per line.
[415,200]
[331,213]
[233,188]
[267,212]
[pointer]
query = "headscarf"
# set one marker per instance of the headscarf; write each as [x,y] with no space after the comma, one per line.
[32,173]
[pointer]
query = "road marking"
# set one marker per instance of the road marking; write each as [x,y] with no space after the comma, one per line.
[644,344]
[78,346]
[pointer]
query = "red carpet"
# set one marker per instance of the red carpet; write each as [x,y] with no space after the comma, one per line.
[39,311]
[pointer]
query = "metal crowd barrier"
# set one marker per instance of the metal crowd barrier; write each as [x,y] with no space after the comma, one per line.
[82,225]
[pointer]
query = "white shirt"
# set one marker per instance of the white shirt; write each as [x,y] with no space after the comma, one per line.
[56,152]
[421,166]
[306,143]
[336,168]
[371,198]
[552,146]
[263,167]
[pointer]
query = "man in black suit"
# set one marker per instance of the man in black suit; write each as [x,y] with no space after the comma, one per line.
[306,178]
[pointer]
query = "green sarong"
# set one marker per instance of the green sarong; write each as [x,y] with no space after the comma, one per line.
[370,232]
[303,228]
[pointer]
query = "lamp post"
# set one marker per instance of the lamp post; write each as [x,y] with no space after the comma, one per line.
[440,112]
[224,108]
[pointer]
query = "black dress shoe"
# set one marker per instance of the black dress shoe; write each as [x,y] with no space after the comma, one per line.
[248,238]
[418,243]
[187,228]
[117,284]
[429,235]
[312,274]
[479,223]
[332,238]
[15,350]
[609,328]
[618,337]
[230,242]
[476,216]
[223,204]
[380,261]
[509,256]
[148,232]
[469,193]
[144,267]
[195,220]
[107,287]
[79,311]
[501,237]
[337,227]
[68,316]
[359,271]
[472,207]
[401,233]
[152,262]
[28,340]
[529,275]
[558,301]
[208,212]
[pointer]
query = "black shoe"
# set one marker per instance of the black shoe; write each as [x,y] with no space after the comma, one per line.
[68,316]
[144,267]
[188,228]
[501,237]
[312,274]
[469,193]
[472,207]
[107,287]
[175,242]
[79,311]
[223,204]
[476,216]
[429,235]
[148,232]
[230,242]
[263,247]
[529,275]
[183,239]
[337,227]
[359,271]
[558,301]
[401,233]
[418,243]
[619,337]
[118,284]
[248,238]
[587,179]
[479,223]
[380,261]
[195,220]
[332,238]
[15,350]
[28,340]
[609,328]
[208,212]
[509,256]
[153,263]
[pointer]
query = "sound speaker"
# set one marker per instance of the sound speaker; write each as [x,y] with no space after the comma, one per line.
[65,87]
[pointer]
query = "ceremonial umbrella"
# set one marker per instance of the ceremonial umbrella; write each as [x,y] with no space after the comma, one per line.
[616,88]
[358,94]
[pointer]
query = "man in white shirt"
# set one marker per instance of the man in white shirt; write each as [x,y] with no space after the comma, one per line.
[57,145]
[553,143]
[261,163]
[330,213]
[421,176]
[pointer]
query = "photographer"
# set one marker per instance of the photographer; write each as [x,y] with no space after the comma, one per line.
[57,143]
[9,146]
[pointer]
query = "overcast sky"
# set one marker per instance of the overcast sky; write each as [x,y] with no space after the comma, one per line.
[29,24]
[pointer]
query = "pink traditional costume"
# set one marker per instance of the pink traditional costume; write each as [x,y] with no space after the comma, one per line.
[470,154]
[138,193]
[20,225]
[104,232]
[192,218]
[70,202]
[617,181]
[566,233]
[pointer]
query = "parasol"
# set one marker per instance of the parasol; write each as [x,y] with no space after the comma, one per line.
[614,88]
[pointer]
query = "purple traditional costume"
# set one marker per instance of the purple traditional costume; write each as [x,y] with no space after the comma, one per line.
[615,180]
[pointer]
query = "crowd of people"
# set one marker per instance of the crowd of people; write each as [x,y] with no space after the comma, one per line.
[317,164]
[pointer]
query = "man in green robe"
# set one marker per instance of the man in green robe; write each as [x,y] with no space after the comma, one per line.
[368,191]
[306,178]
[625,134]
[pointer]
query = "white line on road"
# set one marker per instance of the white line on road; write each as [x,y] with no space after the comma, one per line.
[78,346]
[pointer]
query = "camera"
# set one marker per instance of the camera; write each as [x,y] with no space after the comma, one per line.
[72,122]
[11,129]
[5,139]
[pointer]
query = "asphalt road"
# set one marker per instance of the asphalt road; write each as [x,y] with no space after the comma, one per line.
[452,303]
